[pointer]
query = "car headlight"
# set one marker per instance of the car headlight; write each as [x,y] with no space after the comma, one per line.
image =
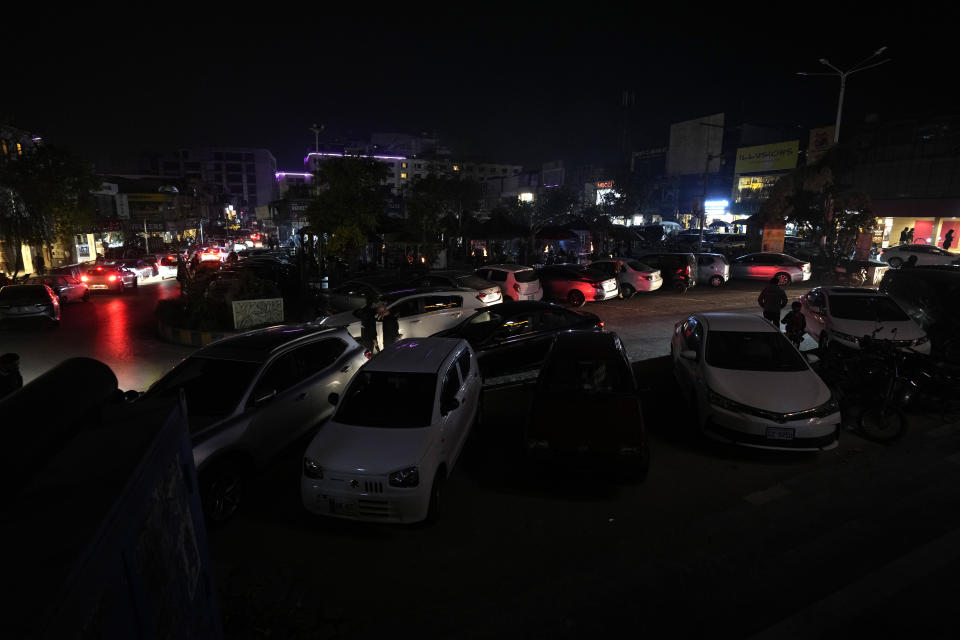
[312,469]
[846,336]
[409,477]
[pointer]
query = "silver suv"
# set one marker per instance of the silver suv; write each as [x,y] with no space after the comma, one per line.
[252,395]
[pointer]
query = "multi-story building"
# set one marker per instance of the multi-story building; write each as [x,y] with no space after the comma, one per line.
[246,177]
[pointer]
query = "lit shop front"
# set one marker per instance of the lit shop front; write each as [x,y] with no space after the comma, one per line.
[927,221]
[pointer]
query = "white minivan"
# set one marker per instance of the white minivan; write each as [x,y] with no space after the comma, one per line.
[396,435]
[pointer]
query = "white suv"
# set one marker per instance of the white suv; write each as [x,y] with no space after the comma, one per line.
[398,431]
[516,282]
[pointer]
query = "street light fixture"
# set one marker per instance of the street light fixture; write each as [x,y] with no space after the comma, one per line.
[860,66]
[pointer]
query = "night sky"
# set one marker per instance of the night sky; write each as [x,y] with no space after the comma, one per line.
[523,88]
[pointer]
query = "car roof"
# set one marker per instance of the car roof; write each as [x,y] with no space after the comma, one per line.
[415,355]
[507,267]
[258,345]
[851,291]
[731,321]
[393,296]
[520,306]
[26,288]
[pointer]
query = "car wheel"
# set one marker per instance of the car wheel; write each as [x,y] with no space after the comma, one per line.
[436,495]
[716,282]
[221,491]
[883,425]
[895,263]
[627,291]
[783,279]
[576,298]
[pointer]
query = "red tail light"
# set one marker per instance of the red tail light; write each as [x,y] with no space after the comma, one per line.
[366,354]
[112,278]
[84,279]
[688,270]
[516,286]
[601,324]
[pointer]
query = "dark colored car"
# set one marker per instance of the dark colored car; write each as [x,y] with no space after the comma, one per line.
[26,301]
[109,278]
[678,270]
[515,336]
[576,284]
[586,407]
[931,296]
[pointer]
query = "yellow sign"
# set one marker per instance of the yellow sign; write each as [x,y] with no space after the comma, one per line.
[767,157]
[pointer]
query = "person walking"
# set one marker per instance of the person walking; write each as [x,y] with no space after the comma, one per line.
[389,325]
[368,328]
[10,378]
[948,240]
[772,299]
[796,324]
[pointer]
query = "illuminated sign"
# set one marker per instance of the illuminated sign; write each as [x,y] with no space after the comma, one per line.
[605,185]
[716,206]
[604,192]
[525,197]
[767,157]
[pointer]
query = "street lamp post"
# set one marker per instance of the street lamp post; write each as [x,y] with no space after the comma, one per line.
[861,66]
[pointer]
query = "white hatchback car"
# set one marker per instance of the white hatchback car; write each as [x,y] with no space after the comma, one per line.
[632,275]
[713,268]
[420,312]
[396,435]
[925,253]
[845,314]
[516,282]
[750,385]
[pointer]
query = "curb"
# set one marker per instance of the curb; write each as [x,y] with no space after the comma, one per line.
[190,337]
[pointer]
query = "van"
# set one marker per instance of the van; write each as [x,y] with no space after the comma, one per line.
[678,270]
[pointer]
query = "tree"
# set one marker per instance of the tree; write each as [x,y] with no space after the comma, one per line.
[553,207]
[349,194]
[441,204]
[47,195]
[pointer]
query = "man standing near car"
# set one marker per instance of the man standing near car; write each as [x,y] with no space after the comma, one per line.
[772,299]
[10,378]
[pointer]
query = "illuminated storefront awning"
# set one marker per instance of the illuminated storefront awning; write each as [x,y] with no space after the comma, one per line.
[917,208]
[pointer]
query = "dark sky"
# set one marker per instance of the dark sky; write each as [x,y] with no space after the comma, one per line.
[512,87]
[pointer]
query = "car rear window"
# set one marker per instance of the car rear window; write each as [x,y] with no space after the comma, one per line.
[525,275]
[474,282]
[587,375]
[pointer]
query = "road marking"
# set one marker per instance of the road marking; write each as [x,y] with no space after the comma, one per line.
[767,495]
[856,598]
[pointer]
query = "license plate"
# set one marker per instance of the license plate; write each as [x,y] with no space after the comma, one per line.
[98,286]
[346,508]
[779,433]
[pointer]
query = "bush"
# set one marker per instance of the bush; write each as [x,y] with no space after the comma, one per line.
[206,305]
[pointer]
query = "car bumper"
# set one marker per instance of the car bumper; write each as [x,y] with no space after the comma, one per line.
[599,295]
[393,505]
[535,296]
[649,285]
[27,315]
[813,434]
[800,277]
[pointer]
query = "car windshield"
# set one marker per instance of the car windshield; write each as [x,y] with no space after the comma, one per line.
[212,386]
[869,308]
[753,351]
[587,375]
[389,399]
[525,275]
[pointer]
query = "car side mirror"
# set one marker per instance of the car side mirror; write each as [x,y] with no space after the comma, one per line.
[333,398]
[264,398]
[688,354]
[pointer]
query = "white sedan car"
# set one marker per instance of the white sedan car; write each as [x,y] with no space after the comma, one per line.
[845,314]
[765,266]
[632,275]
[925,253]
[396,436]
[750,385]
[419,313]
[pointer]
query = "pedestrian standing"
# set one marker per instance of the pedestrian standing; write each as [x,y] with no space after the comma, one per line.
[948,240]
[796,324]
[182,274]
[772,299]
[368,328]
[903,235]
[10,378]
[389,325]
[41,265]
[910,235]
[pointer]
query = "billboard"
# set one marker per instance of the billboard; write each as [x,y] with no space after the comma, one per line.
[821,139]
[767,157]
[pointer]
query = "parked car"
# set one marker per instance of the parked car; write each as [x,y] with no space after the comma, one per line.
[69,270]
[137,266]
[632,275]
[586,408]
[374,462]
[213,254]
[576,284]
[167,266]
[765,266]
[29,301]
[925,254]
[154,261]
[843,315]
[516,282]
[359,292]
[487,292]
[109,278]
[515,336]
[678,270]
[931,297]
[252,395]
[68,289]
[749,385]
[728,242]
[420,312]
[713,268]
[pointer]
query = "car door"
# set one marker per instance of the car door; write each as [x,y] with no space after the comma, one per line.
[326,372]
[440,312]
[742,266]
[470,386]
[409,314]
[512,347]
[690,339]
[452,414]
[814,311]
[281,406]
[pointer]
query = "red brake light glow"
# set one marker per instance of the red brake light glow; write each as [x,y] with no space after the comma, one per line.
[112,278]
[84,279]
